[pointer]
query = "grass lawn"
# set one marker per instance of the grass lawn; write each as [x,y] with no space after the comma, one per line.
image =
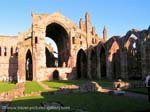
[57,84]
[90,102]
[6,86]
[31,86]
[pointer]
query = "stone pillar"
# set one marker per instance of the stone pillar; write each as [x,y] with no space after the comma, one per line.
[38,47]
[81,24]
[21,64]
[109,70]
[98,68]
[93,31]
[108,65]
[87,22]
[89,65]
[104,33]
[34,58]
[73,50]
[143,61]
[124,65]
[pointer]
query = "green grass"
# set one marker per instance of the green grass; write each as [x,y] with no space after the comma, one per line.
[57,84]
[90,102]
[32,87]
[5,86]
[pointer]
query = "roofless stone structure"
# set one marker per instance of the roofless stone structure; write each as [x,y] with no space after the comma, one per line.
[81,52]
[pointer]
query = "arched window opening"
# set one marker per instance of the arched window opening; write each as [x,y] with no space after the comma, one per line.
[93,64]
[36,40]
[73,40]
[93,40]
[80,42]
[11,51]
[29,75]
[0,51]
[103,62]
[5,51]
[134,45]
[16,51]
[133,57]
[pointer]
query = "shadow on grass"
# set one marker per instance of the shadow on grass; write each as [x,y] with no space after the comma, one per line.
[76,102]
[87,102]
[56,84]
[59,83]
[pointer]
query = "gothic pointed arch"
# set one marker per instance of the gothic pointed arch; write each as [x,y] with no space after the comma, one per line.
[60,36]
[28,65]
[133,56]
[114,59]
[81,64]
[103,61]
[93,60]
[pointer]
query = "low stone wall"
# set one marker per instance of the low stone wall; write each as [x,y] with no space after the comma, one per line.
[47,73]
[8,96]
[87,87]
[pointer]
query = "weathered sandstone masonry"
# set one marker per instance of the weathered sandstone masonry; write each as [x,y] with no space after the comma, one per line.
[81,52]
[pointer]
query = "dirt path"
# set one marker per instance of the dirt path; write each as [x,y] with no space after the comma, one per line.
[137,96]
[142,97]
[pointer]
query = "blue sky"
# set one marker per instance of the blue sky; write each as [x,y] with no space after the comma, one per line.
[119,16]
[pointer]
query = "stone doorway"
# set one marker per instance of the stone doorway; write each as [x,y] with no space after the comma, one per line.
[103,62]
[93,64]
[81,64]
[56,75]
[29,74]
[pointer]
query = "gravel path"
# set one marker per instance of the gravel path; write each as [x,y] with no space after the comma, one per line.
[137,96]
[142,97]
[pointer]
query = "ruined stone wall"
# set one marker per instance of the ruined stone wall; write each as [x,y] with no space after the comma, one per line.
[78,38]
[47,73]
[8,58]
[24,44]
[82,53]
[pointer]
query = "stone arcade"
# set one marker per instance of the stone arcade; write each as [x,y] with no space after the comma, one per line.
[81,52]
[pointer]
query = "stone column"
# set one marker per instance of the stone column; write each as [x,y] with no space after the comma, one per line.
[109,70]
[21,64]
[98,68]
[89,65]
[124,65]
[39,58]
[108,66]
[143,61]
[34,58]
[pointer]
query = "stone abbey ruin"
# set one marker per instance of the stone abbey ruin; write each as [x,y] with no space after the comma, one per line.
[81,52]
